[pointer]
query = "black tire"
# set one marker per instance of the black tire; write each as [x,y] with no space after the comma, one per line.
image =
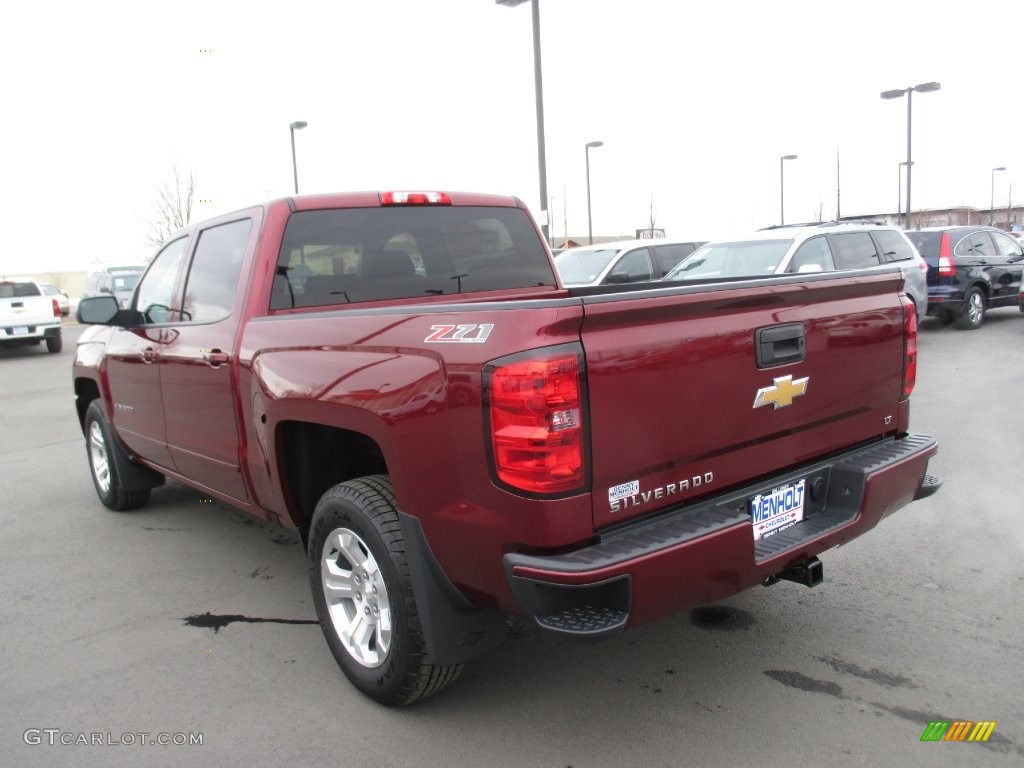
[100,444]
[54,343]
[972,314]
[358,521]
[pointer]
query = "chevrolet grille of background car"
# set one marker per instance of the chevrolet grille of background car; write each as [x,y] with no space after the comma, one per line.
[781,393]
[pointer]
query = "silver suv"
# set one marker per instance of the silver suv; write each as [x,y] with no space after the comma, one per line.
[819,247]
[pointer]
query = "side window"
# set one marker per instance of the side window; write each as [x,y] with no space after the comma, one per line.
[814,253]
[853,250]
[213,275]
[1005,245]
[153,298]
[667,256]
[635,266]
[975,244]
[893,245]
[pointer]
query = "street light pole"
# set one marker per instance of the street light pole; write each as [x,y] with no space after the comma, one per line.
[551,216]
[992,199]
[899,188]
[298,125]
[539,96]
[899,93]
[782,187]
[590,224]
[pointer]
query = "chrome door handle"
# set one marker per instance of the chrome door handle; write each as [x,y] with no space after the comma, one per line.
[215,357]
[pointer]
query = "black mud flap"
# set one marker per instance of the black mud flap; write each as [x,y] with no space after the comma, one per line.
[455,630]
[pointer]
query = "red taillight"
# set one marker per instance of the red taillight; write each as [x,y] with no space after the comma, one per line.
[536,421]
[945,257]
[414,198]
[909,346]
[56,308]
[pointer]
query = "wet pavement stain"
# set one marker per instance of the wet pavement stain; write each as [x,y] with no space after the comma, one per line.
[722,618]
[804,683]
[872,675]
[217,622]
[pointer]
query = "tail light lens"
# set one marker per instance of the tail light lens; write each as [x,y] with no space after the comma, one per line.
[945,257]
[909,346]
[56,308]
[536,417]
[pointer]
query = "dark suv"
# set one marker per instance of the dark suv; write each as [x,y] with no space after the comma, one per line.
[970,270]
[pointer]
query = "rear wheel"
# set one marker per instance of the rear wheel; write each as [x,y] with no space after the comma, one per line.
[364,598]
[101,445]
[972,315]
[54,343]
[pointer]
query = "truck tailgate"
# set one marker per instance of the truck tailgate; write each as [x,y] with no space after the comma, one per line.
[681,406]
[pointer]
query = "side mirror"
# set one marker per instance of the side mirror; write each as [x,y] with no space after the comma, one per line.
[617,278]
[806,268]
[97,310]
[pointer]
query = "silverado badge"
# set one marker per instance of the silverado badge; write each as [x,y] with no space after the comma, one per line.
[781,393]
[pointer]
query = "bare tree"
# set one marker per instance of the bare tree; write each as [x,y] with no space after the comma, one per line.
[819,213]
[172,207]
[651,217]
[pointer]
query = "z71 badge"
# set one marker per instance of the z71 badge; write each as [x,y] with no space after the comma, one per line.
[460,334]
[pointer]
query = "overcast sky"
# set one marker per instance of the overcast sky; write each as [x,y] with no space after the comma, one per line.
[695,104]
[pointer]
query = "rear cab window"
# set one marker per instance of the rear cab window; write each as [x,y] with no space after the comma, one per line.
[351,255]
[13,290]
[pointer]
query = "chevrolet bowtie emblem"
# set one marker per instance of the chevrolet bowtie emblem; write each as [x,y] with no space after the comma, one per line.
[781,393]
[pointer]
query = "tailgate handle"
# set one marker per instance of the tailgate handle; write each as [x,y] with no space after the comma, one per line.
[780,344]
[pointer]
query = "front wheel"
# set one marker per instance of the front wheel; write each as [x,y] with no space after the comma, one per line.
[363,594]
[101,445]
[973,313]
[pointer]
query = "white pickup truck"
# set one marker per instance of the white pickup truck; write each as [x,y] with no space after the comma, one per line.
[27,316]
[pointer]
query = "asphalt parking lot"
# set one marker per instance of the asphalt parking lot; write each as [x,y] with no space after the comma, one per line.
[188,618]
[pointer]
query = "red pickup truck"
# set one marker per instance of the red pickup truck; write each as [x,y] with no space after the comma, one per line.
[458,437]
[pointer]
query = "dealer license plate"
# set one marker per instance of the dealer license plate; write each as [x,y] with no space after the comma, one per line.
[778,509]
[20,330]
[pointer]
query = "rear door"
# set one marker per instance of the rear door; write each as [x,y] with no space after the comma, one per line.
[698,388]
[197,360]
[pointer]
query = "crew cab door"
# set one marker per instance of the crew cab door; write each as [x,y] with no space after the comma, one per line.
[197,383]
[133,375]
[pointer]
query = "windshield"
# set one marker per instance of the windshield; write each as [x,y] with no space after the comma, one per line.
[750,258]
[582,266]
